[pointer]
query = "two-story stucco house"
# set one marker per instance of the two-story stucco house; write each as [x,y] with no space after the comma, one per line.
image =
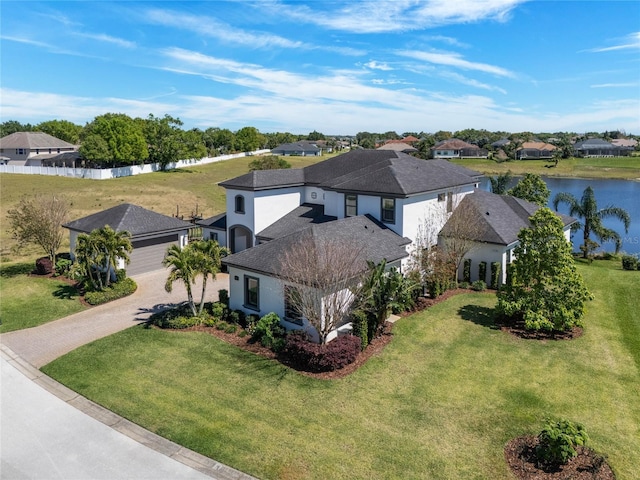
[32,148]
[390,191]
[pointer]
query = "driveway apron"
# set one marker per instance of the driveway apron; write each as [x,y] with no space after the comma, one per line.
[51,432]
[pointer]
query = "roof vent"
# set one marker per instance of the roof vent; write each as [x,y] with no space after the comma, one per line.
[487,213]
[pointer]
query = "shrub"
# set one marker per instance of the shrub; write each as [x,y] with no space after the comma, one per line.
[482,271]
[223,296]
[114,291]
[478,286]
[464,285]
[496,270]
[267,330]
[360,322]
[239,317]
[63,266]
[231,328]
[558,441]
[313,357]
[466,275]
[218,310]
[121,274]
[630,262]
[44,266]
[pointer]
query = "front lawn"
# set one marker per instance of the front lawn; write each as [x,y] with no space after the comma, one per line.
[441,401]
[29,301]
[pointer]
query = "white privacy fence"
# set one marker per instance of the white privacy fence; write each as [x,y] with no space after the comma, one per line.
[106,173]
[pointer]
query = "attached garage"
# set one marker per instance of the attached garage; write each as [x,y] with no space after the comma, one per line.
[151,233]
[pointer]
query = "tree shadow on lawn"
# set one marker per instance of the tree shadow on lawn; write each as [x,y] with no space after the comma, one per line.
[483,316]
[66,292]
[10,271]
[157,308]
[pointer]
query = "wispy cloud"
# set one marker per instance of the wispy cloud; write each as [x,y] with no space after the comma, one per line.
[373,65]
[375,16]
[471,82]
[51,48]
[455,60]
[616,85]
[101,37]
[630,42]
[212,27]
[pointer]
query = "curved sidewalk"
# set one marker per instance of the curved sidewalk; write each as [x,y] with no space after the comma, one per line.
[49,431]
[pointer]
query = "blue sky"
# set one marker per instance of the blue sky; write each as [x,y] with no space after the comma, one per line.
[336,67]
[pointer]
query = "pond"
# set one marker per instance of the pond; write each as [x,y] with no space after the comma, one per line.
[619,193]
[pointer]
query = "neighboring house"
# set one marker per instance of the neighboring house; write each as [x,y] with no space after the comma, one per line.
[398,146]
[455,148]
[501,143]
[596,147]
[303,149]
[535,151]
[349,197]
[151,233]
[625,142]
[32,148]
[502,217]
[255,284]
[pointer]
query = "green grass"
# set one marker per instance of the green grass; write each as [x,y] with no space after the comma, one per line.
[162,192]
[440,401]
[616,167]
[30,301]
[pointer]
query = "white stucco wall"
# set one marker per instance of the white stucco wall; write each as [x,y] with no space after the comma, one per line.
[319,195]
[271,205]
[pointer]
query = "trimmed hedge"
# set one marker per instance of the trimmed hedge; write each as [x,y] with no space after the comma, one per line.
[630,262]
[496,270]
[313,357]
[44,266]
[466,272]
[114,291]
[482,271]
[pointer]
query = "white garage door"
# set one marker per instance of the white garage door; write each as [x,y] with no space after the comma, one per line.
[147,255]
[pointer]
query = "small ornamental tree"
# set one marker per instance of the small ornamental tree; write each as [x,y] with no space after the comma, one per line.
[546,291]
[531,188]
[38,220]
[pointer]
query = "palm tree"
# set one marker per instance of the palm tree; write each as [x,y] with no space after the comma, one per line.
[500,183]
[114,246]
[207,255]
[86,251]
[182,263]
[587,209]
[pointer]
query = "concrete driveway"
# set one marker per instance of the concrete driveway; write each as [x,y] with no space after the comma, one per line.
[51,432]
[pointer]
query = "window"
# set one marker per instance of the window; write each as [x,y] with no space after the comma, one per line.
[213,236]
[388,214]
[239,204]
[449,202]
[291,312]
[251,293]
[442,197]
[350,205]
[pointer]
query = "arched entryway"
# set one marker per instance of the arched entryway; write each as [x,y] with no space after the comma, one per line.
[240,238]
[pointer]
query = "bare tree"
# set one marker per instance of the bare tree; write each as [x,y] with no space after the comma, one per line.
[323,277]
[38,220]
[460,234]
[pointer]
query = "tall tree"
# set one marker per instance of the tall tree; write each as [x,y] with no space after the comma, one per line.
[207,255]
[249,139]
[315,136]
[38,220]
[545,289]
[122,137]
[62,129]
[531,188]
[13,126]
[183,265]
[168,143]
[219,141]
[592,217]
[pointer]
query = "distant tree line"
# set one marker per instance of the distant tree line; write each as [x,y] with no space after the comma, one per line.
[115,139]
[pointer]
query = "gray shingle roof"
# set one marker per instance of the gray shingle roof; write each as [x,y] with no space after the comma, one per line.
[217,221]
[298,147]
[299,218]
[377,242]
[593,143]
[33,140]
[502,216]
[364,171]
[136,220]
[266,179]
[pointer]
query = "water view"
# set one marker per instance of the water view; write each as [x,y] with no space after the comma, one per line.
[620,193]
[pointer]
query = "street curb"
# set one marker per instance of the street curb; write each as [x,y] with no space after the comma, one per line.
[149,439]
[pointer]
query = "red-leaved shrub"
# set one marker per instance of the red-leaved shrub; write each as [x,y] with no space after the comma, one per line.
[312,357]
[44,266]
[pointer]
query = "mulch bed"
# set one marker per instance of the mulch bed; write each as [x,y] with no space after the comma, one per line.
[587,465]
[518,329]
